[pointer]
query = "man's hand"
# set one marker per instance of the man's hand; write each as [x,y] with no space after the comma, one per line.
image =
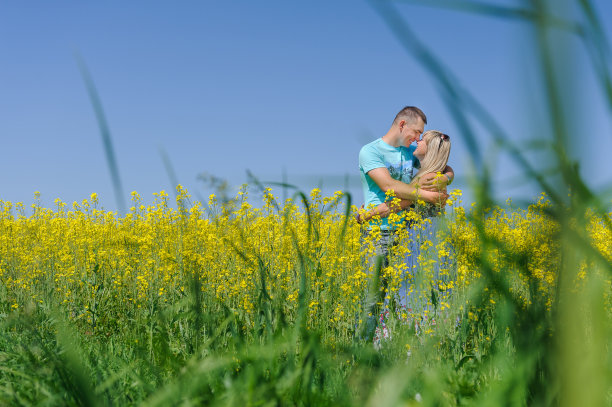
[433,182]
[358,217]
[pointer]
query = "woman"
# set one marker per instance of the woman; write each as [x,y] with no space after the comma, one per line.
[423,263]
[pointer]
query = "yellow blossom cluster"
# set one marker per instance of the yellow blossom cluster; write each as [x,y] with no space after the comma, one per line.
[522,245]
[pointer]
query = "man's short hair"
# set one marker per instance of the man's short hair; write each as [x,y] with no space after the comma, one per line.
[410,114]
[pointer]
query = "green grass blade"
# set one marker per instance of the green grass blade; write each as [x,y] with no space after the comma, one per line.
[104,133]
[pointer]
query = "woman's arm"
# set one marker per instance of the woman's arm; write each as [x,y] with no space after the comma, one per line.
[383,210]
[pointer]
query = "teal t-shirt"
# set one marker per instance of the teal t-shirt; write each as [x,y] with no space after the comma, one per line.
[400,162]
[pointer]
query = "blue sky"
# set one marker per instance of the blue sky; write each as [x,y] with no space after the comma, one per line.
[270,87]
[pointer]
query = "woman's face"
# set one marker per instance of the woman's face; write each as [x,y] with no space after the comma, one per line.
[421,149]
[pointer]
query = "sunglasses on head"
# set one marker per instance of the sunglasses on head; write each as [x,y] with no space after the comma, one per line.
[443,137]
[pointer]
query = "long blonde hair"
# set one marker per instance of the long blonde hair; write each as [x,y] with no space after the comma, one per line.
[436,157]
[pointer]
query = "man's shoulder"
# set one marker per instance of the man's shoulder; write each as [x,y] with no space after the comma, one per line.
[372,155]
[369,152]
[372,144]
[378,146]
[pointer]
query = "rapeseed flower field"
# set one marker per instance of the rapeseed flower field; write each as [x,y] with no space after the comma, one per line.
[204,280]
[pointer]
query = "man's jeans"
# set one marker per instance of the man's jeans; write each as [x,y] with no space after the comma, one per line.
[374,265]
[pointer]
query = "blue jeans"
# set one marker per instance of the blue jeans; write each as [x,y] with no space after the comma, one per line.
[373,266]
[420,289]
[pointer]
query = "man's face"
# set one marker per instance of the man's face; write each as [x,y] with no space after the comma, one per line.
[411,130]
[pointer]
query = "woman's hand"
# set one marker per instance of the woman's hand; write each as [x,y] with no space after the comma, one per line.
[434,197]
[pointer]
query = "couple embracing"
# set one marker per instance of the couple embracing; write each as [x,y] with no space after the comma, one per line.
[393,163]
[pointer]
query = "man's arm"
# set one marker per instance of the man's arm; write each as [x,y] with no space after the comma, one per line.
[383,179]
[382,210]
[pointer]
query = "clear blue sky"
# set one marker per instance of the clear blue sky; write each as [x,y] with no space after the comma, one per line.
[269,86]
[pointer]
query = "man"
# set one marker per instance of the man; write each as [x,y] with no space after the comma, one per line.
[387,164]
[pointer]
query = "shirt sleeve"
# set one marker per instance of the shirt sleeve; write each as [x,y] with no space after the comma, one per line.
[370,158]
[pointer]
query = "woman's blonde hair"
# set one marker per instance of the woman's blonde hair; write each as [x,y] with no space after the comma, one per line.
[436,157]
